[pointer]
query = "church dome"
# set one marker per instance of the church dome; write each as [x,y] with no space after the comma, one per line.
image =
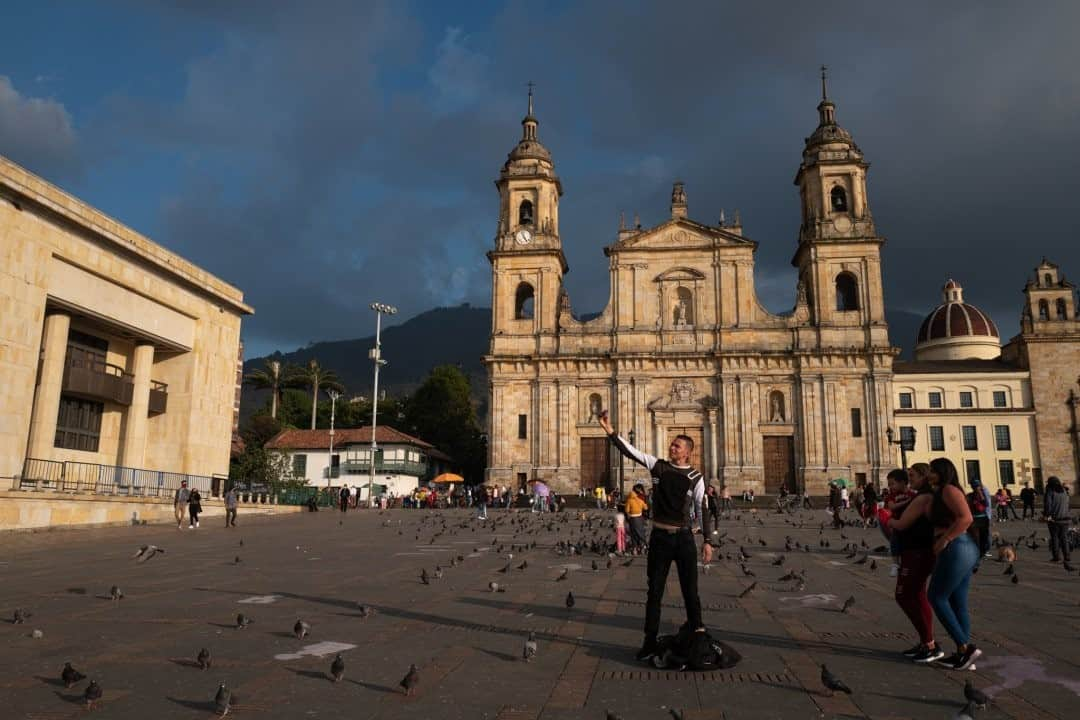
[955,330]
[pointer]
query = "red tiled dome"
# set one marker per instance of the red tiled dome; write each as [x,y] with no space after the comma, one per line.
[955,318]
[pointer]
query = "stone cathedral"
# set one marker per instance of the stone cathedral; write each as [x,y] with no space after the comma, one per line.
[684,345]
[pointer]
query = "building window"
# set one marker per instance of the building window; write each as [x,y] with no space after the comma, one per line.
[935,400]
[1044,310]
[1048,280]
[523,302]
[971,439]
[1002,439]
[856,422]
[1000,399]
[967,400]
[847,292]
[1062,314]
[972,468]
[523,427]
[838,199]
[525,213]
[907,437]
[1005,472]
[299,465]
[78,424]
[937,438]
[905,401]
[335,465]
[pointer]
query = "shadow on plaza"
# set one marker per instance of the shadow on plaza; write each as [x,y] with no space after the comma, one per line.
[200,705]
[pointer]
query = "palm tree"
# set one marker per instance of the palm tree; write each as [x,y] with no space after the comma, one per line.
[317,378]
[273,377]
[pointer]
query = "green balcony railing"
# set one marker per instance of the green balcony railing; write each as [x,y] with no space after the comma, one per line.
[395,467]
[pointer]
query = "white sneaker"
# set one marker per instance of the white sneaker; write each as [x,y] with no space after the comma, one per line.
[894,570]
[196,523]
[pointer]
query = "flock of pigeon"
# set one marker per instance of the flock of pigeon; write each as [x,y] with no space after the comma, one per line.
[578,535]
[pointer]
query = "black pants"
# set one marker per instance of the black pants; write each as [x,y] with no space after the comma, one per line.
[344,504]
[665,547]
[982,529]
[1029,507]
[1002,512]
[230,517]
[1059,539]
[193,514]
[1012,509]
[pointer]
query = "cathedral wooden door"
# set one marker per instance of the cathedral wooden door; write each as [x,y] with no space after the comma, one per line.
[779,464]
[695,456]
[594,462]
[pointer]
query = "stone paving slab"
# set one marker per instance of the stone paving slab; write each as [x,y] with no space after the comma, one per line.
[467,640]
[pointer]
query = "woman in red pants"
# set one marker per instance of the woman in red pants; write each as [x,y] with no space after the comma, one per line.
[916,565]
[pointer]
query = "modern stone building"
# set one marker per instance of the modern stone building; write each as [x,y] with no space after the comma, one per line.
[684,345]
[118,358]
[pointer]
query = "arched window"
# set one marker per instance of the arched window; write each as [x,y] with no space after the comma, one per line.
[1048,280]
[1044,310]
[847,292]
[838,199]
[523,302]
[683,313]
[1062,313]
[596,405]
[525,213]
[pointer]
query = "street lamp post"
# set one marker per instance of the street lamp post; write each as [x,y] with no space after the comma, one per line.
[904,444]
[622,467]
[376,356]
[334,395]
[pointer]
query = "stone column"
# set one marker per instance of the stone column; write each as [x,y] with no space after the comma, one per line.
[50,381]
[133,444]
[714,464]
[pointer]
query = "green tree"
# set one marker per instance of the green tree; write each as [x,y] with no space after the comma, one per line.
[316,377]
[441,412]
[273,376]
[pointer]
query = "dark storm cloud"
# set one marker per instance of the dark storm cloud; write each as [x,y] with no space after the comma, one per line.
[37,132]
[336,157]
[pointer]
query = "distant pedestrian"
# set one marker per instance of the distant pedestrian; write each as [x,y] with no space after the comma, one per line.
[725,499]
[343,498]
[481,505]
[1056,512]
[230,508]
[1027,498]
[180,503]
[620,533]
[1001,504]
[636,506]
[979,505]
[601,497]
[194,508]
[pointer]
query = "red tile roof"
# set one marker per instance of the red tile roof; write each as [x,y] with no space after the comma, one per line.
[293,439]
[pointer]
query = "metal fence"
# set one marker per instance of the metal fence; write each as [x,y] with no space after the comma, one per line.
[80,477]
[300,496]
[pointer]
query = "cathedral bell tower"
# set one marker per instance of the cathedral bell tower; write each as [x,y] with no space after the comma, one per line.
[838,256]
[527,261]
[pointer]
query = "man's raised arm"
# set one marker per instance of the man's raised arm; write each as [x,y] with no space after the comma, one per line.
[625,447]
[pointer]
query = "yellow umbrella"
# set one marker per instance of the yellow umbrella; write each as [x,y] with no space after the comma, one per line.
[448,478]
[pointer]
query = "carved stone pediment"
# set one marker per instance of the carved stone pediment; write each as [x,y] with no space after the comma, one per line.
[682,234]
[683,396]
[679,274]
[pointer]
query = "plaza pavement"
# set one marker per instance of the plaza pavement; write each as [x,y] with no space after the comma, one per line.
[467,640]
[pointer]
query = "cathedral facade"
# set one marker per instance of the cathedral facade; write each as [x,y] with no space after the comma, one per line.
[684,346]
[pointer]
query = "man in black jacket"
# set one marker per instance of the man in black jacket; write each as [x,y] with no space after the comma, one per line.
[1027,497]
[677,489]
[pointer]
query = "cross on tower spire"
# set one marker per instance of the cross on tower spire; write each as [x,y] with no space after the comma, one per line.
[531,84]
[824,93]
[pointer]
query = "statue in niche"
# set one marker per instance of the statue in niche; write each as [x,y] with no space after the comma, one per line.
[800,293]
[684,307]
[594,408]
[776,406]
[680,312]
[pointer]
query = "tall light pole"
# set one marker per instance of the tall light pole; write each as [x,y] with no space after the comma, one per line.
[375,354]
[334,395]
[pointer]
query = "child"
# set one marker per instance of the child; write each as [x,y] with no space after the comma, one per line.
[620,533]
[896,498]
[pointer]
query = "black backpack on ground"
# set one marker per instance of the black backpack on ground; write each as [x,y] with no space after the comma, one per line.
[695,651]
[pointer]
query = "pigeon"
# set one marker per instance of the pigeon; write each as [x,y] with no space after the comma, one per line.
[115,593]
[242,621]
[873,564]
[21,616]
[1009,570]
[438,572]
[146,552]
[337,668]
[367,611]
[595,566]
[1015,579]
[966,713]
[565,574]
[862,560]
[675,714]
[748,590]
[628,563]
[612,716]
[778,561]
[832,682]
[524,564]
[424,576]
[746,571]
[236,560]
[203,658]
[569,600]
[528,652]
[222,700]
[848,604]
[1068,567]
[92,695]
[975,696]
[495,587]
[411,679]
[70,675]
